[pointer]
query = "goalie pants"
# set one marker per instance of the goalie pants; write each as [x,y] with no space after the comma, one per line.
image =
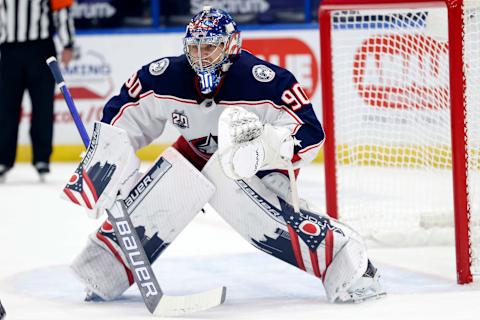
[23,67]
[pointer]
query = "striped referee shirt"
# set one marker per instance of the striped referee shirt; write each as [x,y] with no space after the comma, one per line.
[28,20]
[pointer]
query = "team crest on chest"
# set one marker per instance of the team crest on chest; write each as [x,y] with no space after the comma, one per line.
[180,119]
[158,67]
[207,145]
[263,73]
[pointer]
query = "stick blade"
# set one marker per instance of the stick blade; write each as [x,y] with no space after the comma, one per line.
[182,305]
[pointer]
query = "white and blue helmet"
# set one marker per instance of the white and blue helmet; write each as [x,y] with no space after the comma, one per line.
[214,29]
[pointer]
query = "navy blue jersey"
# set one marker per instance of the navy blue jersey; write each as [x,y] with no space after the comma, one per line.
[167,90]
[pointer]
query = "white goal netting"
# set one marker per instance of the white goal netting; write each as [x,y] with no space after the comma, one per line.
[392,123]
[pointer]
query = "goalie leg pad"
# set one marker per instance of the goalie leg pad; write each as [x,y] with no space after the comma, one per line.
[98,259]
[347,267]
[259,210]
[160,205]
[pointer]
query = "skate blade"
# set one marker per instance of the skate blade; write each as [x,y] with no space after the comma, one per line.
[359,298]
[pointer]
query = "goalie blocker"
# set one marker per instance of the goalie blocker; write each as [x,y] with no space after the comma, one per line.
[108,170]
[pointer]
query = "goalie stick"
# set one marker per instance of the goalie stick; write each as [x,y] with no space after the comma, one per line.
[156,302]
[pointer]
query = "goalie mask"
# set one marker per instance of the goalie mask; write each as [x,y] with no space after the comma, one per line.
[211,42]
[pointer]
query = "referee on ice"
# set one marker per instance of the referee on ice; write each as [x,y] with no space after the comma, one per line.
[27,28]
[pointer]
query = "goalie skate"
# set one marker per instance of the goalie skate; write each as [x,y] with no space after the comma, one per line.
[91,296]
[366,288]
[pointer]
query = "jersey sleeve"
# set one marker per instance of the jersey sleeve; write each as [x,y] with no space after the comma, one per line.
[297,113]
[63,20]
[134,110]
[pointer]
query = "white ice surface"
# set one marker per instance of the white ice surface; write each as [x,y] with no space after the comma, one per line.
[40,234]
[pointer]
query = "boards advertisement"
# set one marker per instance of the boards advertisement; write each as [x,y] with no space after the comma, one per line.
[105,62]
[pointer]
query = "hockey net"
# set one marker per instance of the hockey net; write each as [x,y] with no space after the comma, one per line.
[390,96]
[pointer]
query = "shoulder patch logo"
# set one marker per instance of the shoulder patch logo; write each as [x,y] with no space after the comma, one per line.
[263,73]
[158,67]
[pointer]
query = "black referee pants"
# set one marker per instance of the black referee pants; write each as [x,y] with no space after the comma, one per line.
[22,66]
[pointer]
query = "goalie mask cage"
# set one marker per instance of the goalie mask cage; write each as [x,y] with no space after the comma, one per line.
[401,112]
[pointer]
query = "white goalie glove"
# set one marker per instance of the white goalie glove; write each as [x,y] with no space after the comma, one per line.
[245,145]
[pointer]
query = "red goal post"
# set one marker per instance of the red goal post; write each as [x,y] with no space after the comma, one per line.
[410,104]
